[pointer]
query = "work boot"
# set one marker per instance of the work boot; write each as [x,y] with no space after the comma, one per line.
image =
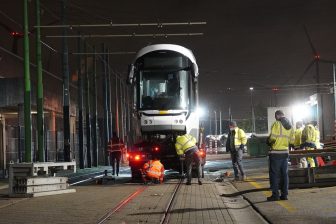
[244,178]
[273,198]
[199,182]
[284,198]
[188,183]
[236,178]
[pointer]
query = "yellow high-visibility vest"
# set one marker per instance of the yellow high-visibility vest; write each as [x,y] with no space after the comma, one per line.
[281,138]
[309,134]
[298,135]
[183,143]
[240,137]
[317,142]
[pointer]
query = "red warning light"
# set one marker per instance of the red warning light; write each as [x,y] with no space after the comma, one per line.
[156,149]
[137,157]
[317,56]
[275,89]
[16,34]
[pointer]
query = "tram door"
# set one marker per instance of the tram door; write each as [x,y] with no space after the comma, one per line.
[2,145]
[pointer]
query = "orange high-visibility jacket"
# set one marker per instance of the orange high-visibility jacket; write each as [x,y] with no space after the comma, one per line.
[115,144]
[154,169]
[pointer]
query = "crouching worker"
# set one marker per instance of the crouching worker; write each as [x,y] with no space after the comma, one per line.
[153,171]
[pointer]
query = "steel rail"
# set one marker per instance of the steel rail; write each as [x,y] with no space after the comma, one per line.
[166,215]
[120,205]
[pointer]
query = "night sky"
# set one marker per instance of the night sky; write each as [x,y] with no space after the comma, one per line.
[259,43]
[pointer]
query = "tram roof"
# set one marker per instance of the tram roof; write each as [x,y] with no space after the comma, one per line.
[170,47]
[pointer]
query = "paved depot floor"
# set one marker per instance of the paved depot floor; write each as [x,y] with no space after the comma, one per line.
[213,202]
[194,204]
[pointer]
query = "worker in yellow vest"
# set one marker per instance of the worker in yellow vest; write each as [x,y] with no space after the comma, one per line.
[317,134]
[280,139]
[308,136]
[298,134]
[186,144]
[235,145]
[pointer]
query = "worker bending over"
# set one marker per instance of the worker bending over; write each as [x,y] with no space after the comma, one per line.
[186,144]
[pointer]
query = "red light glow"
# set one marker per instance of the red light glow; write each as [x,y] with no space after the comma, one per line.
[137,157]
[156,149]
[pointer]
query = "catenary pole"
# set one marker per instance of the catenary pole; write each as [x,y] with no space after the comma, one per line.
[66,92]
[39,101]
[80,107]
[105,106]
[95,114]
[88,112]
[27,86]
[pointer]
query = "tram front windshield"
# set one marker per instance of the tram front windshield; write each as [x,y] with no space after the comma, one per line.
[164,87]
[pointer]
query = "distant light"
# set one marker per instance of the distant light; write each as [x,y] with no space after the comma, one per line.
[251,88]
[275,89]
[200,112]
[300,112]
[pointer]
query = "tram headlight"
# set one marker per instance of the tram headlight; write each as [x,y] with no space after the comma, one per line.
[176,121]
[181,121]
[145,121]
[150,121]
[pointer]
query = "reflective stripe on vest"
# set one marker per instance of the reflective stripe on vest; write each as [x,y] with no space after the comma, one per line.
[184,144]
[289,138]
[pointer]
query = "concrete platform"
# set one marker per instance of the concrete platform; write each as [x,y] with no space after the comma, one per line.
[313,205]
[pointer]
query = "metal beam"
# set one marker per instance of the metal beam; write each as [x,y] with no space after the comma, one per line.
[159,25]
[154,35]
[103,53]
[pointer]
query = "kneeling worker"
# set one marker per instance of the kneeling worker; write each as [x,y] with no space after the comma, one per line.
[153,170]
[186,144]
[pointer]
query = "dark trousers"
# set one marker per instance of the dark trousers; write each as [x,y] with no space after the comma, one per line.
[237,157]
[190,158]
[278,173]
[115,160]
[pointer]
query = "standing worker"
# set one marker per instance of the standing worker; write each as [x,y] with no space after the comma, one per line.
[298,135]
[116,146]
[235,145]
[186,144]
[280,138]
[153,170]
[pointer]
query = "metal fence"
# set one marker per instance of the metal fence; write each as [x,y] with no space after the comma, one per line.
[53,141]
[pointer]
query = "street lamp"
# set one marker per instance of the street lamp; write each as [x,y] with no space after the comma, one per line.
[215,122]
[252,109]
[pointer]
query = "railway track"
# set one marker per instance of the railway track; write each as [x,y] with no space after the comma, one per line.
[166,213]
